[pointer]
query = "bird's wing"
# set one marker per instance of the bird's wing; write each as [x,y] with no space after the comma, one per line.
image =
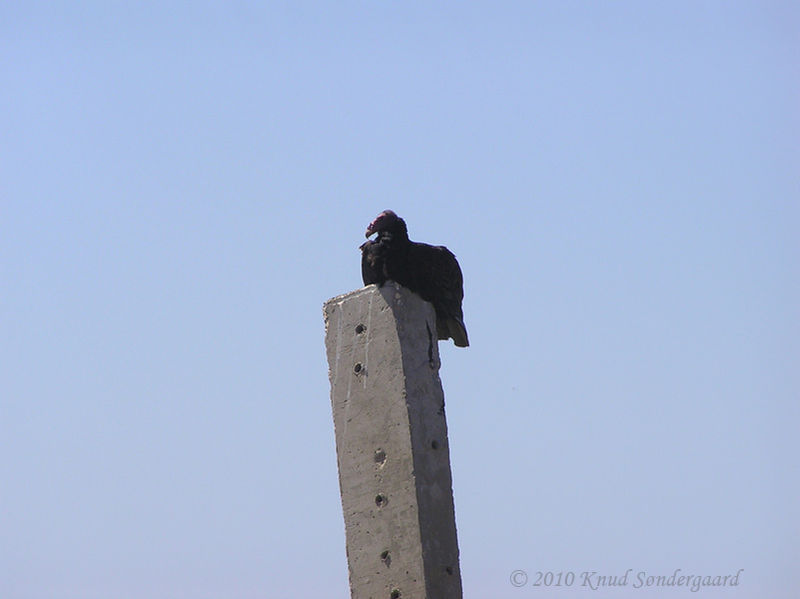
[438,277]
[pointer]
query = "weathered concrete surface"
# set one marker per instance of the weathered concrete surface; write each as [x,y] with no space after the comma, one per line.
[391,443]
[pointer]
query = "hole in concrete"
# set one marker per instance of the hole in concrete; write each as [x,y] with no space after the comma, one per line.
[395,594]
[360,329]
[386,558]
[380,500]
[357,368]
[434,444]
[449,570]
[380,456]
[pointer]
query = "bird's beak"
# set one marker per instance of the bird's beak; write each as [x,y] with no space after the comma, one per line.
[369,232]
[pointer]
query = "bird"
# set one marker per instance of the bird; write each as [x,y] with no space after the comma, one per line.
[430,271]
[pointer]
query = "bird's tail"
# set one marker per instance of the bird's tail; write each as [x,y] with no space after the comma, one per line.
[458,332]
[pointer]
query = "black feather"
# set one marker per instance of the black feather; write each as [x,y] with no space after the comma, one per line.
[432,272]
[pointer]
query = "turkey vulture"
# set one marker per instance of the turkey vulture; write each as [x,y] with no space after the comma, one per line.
[430,271]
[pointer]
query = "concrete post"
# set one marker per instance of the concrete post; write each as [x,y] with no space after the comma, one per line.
[391,443]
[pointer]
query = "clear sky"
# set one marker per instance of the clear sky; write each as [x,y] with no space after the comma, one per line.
[183,184]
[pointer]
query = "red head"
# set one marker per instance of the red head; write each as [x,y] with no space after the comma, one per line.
[386,221]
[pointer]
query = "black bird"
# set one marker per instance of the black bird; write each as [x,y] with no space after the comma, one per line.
[430,271]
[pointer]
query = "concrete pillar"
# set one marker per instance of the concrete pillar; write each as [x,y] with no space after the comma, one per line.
[391,443]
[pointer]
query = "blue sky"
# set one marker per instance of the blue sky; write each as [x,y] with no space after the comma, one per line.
[182,185]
